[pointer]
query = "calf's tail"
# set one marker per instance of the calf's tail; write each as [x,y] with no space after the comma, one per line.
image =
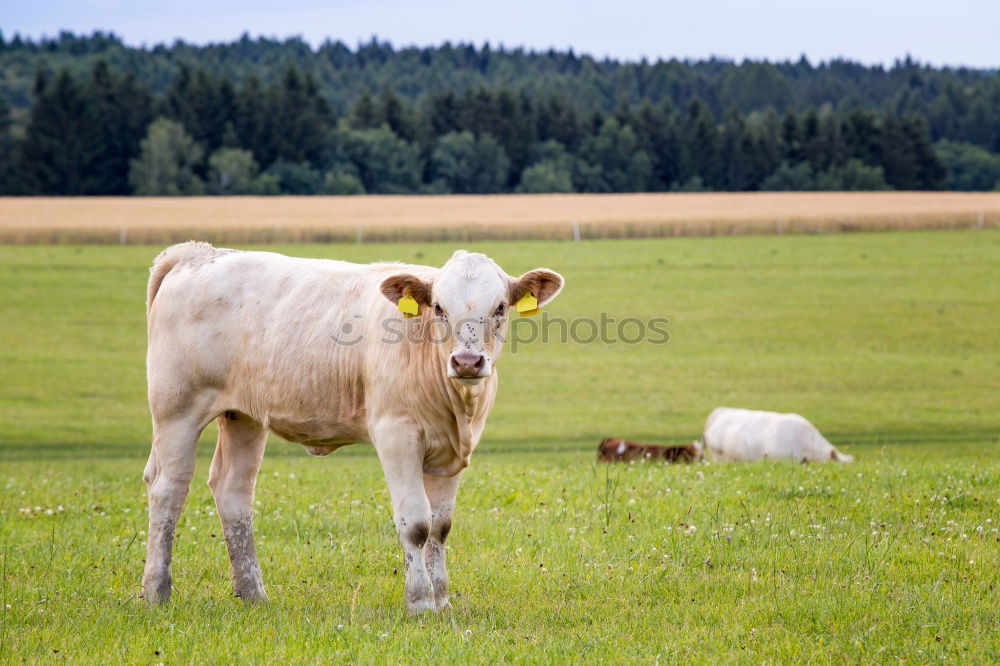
[166,261]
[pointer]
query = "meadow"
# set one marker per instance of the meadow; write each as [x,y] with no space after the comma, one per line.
[887,342]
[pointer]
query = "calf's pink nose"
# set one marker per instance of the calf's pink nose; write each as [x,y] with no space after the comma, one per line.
[467,364]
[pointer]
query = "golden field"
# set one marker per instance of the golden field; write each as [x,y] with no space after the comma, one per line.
[482,217]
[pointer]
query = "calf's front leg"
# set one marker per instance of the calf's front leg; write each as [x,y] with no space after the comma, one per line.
[401,455]
[441,491]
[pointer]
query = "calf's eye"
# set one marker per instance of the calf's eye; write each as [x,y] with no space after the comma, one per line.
[501,309]
[438,311]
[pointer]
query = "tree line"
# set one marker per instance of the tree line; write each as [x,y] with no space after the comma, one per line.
[116,129]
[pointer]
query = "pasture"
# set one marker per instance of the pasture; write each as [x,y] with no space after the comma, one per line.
[887,342]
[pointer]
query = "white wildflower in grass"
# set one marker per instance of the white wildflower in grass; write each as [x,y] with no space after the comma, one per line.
[979,528]
[691,529]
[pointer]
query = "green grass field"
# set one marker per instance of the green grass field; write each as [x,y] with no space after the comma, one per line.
[889,343]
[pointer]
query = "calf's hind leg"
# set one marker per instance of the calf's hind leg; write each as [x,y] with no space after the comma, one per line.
[168,477]
[232,479]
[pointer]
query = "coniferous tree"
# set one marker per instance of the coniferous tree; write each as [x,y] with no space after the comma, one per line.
[300,119]
[397,116]
[702,149]
[737,149]
[202,103]
[122,110]
[6,150]
[658,132]
[364,114]
[443,110]
[62,142]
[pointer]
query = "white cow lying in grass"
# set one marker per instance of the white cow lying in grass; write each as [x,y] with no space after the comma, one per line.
[746,434]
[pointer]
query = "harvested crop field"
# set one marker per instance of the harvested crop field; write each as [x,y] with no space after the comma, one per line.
[482,217]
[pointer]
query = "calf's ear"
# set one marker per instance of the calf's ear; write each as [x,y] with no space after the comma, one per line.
[542,283]
[395,287]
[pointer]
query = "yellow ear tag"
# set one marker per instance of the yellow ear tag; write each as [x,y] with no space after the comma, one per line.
[528,305]
[408,306]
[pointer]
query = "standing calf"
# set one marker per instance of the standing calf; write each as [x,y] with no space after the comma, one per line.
[317,352]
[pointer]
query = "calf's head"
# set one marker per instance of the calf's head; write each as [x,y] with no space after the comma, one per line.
[469,300]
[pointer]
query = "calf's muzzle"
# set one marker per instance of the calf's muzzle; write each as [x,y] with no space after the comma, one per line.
[467,365]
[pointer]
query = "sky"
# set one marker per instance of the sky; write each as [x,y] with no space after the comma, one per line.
[957,32]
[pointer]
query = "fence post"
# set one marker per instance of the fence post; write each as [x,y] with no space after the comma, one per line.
[358,234]
[122,236]
[576,232]
[981,219]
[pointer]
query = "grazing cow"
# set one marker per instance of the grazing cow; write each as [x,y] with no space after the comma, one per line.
[621,450]
[744,434]
[319,353]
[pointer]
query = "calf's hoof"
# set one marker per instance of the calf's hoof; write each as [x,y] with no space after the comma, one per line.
[442,602]
[156,592]
[420,606]
[251,594]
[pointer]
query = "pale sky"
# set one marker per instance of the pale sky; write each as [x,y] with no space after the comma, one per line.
[957,32]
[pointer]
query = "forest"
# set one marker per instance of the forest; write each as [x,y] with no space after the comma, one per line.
[90,115]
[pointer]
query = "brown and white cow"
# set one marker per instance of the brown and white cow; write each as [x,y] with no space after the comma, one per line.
[317,352]
[623,450]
